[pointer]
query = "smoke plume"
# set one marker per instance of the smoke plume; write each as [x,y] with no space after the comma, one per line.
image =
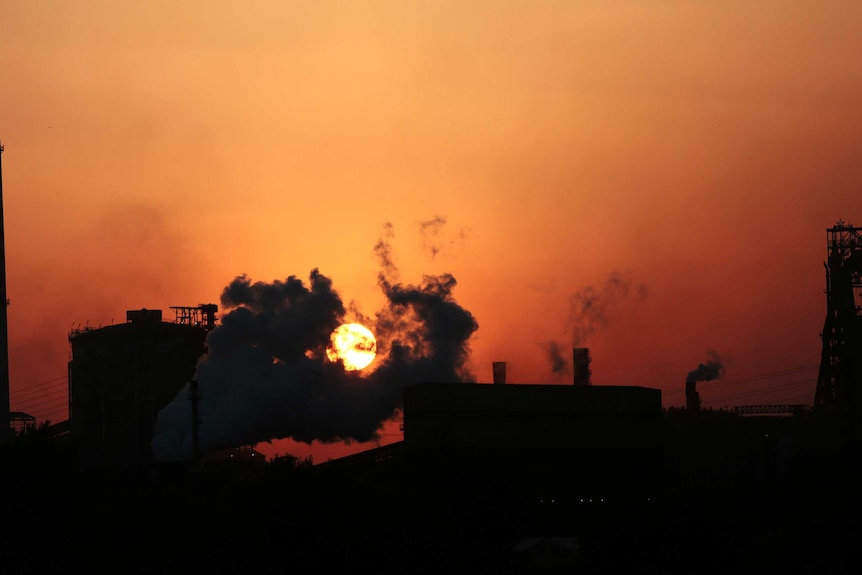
[554,352]
[592,309]
[436,239]
[266,376]
[712,369]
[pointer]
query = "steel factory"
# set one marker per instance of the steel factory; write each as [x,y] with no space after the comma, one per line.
[120,376]
[490,460]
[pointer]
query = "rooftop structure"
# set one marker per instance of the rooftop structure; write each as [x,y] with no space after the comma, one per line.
[121,376]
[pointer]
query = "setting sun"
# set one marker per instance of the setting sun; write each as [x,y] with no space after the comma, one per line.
[353,344]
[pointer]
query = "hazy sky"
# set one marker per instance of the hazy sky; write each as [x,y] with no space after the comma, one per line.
[156,150]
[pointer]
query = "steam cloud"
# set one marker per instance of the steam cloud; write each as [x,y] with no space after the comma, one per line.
[266,376]
[712,369]
[591,309]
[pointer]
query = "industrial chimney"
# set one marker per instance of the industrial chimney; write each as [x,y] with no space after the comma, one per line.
[692,397]
[581,361]
[499,369]
[5,424]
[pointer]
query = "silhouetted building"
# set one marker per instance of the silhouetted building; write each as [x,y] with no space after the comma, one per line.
[535,439]
[463,416]
[243,455]
[120,376]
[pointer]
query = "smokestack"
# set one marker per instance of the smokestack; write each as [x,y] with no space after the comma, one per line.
[5,428]
[581,362]
[712,369]
[692,397]
[499,368]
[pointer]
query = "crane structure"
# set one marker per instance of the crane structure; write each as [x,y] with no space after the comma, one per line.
[839,380]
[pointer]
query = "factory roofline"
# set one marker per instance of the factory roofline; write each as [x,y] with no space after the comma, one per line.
[545,398]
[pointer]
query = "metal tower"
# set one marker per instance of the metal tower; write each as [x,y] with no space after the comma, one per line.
[839,382]
[4,326]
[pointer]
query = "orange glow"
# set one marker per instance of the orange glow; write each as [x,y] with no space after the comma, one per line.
[156,150]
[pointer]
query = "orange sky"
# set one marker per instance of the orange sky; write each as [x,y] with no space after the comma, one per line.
[156,150]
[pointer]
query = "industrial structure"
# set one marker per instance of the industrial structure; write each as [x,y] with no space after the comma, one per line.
[529,416]
[839,381]
[5,423]
[120,376]
[581,363]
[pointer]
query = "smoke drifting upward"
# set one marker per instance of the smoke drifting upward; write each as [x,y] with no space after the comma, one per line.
[383,251]
[430,231]
[554,351]
[266,375]
[433,237]
[712,369]
[592,309]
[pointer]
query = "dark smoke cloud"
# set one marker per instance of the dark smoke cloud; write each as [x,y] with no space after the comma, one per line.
[266,377]
[591,309]
[712,369]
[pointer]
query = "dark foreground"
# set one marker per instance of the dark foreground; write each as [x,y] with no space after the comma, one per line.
[434,514]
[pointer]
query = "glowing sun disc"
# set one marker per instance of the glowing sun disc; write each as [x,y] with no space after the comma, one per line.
[353,344]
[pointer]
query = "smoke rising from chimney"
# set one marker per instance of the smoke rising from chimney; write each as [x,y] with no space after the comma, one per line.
[591,309]
[712,369]
[266,376]
[554,352]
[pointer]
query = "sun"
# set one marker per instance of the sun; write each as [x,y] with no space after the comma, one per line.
[353,344]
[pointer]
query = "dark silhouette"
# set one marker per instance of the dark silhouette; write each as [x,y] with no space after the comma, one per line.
[591,309]
[266,375]
[502,478]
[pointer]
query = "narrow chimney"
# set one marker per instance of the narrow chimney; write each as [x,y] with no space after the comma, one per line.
[5,430]
[581,362]
[499,368]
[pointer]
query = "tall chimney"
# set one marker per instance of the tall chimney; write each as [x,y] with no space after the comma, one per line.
[5,429]
[692,397]
[581,362]
[499,368]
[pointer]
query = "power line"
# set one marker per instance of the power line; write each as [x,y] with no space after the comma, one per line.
[39,393]
[766,391]
[31,386]
[762,376]
[59,402]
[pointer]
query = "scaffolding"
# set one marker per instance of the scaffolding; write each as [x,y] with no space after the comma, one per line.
[204,315]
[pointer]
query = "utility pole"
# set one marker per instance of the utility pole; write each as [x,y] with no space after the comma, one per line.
[5,423]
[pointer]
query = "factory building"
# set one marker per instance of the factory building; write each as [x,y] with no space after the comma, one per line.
[558,440]
[548,417]
[121,375]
